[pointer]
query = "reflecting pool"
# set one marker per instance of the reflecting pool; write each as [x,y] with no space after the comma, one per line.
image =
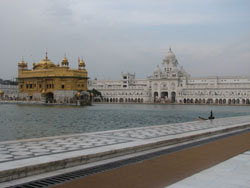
[33,121]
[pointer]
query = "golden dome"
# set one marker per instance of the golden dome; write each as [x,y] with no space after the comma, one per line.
[45,63]
[1,92]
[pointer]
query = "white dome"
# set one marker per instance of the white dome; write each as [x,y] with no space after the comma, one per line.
[158,69]
[170,54]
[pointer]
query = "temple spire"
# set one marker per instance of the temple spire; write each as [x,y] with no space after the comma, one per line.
[46,55]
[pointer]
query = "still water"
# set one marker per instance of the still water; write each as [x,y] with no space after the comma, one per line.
[33,121]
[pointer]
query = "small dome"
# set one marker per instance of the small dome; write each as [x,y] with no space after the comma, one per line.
[1,92]
[158,69]
[65,61]
[22,63]
[170,54]
[82,63]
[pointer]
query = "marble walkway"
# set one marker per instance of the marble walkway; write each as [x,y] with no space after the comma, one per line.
[22,154]
[232,173]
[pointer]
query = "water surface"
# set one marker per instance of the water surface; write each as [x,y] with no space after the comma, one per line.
[33,121]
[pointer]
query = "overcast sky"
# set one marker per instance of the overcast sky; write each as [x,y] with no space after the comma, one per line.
[209,38]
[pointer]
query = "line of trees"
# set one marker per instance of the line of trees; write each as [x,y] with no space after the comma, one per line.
[8,82]
[95,92]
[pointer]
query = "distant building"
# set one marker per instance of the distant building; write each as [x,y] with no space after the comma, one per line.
[8,92]
[171,84]
[50,82]
[126,90]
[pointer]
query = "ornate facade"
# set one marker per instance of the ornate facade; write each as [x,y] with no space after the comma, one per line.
[49,82]
[171,84]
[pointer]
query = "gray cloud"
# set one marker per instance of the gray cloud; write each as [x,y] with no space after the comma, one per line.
[115,36]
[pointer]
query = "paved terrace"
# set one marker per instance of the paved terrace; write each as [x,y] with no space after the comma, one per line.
[232,173]
[24,158]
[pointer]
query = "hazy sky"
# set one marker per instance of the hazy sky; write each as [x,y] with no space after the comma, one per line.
[209,38]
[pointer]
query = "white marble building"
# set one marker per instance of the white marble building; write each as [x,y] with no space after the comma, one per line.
[126,90]
[171,84]
[9,92]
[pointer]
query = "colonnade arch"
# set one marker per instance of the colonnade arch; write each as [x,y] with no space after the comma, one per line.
[173,97]
[122,100]
[215,101]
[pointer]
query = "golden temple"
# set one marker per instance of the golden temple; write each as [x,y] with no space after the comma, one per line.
[50,82]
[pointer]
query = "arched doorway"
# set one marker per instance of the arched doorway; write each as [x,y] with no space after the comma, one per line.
[191,101]
[247,101]
[210,101]
[216,101]
[155,96]
[164,95]
[238,101]
[49,97]
[234,101]
[220,101]
[243,101]
[173,96]
[224,101]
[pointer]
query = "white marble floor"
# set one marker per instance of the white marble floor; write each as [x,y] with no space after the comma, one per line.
[232,173]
